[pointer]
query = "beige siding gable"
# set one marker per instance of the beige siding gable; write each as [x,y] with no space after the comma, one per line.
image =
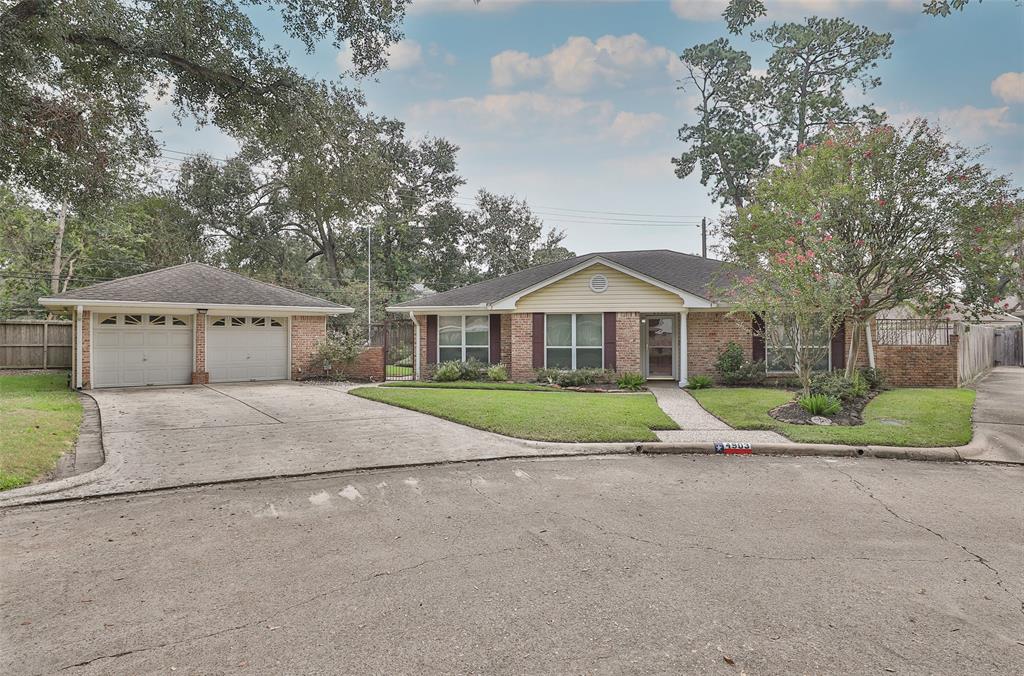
[625,293]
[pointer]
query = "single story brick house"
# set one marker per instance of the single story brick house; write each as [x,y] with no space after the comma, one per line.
[191,323]
[651,312]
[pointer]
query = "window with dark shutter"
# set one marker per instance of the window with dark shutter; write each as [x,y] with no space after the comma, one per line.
[431,339]
[757,339]
[609,340]
[495,339]
[538,340]
[839,347]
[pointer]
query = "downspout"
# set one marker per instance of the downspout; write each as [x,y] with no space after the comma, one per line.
[78,347]
[416,347]
[871,348]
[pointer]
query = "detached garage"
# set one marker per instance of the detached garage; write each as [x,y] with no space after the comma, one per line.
[191,323]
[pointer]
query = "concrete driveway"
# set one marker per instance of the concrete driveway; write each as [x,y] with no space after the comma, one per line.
[999,417]
[176,436]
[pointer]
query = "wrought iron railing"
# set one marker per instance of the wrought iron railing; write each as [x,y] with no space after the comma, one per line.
[912,332]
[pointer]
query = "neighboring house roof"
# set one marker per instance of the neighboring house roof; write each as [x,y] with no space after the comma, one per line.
[193,284]
[683,272]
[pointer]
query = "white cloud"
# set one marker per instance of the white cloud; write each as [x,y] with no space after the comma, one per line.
[401,56]
[627,127]
[582,63]
[975,124]
[404,54]
[524,109]
[699,10]
[1009,87]
[711,10]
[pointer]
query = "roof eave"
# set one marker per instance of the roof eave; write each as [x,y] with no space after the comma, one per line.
[437,308]
[224,307]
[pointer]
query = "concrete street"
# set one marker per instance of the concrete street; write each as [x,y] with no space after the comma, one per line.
[607,565]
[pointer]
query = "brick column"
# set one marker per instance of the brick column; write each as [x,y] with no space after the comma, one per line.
[627,342]
[86,349]
[307,331]
[521,346]
[200,376]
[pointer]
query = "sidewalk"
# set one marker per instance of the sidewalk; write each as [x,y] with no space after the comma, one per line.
[697,424]
[998,417]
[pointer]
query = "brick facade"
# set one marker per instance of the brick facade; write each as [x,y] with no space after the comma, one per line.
[369,365]
[307,331]
[707,334]
[506,342]
[627,342]
[920,365]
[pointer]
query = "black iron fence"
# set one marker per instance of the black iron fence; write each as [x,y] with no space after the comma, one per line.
[912,332]
[398,338]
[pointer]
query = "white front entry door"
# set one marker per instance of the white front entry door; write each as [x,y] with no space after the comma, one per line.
[246,348]
[141,349]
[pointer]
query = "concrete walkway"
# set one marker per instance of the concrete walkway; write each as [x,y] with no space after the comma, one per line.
[998,417]
[697,424]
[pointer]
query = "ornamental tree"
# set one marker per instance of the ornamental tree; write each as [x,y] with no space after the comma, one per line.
[908,216]
[801,303]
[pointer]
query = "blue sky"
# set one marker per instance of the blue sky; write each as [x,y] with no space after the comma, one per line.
[573,106]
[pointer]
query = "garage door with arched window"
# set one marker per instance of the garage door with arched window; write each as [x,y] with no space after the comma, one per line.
[246,348]
[141,349]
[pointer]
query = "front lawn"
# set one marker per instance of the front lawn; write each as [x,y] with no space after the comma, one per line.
[903,417]
[39,419]
[544,416]
[468,385]
[397,371]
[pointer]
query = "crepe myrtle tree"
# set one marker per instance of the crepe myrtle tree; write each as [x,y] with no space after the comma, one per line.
[908,216]
[801,303]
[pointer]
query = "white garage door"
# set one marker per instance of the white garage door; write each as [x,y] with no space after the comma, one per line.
[137,349]
[247,348]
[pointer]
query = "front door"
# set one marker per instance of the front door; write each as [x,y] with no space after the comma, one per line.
[660,354]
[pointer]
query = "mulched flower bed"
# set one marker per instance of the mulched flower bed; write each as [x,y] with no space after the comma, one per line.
[610,388]
[850,415]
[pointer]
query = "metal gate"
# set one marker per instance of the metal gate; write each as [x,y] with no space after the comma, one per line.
[397,337]
[1007,350]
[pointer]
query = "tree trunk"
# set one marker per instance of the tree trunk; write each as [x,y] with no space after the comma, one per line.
[58,245]
[855,341]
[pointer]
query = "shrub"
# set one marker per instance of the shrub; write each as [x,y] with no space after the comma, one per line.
[630,381]
[579,377]
[733,369]
[836,384]
[339,351]
[698,383]
[549,376]
[875,378]
[459,370]
[821,404]
[497,373]
[447,372]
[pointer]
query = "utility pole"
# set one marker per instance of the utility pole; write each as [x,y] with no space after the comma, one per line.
[369,302]
[704,237]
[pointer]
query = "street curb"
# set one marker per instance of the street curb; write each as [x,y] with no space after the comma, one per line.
[75,481]
[825,450]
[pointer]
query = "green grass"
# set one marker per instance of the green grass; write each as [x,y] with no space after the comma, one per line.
[396,371]
[552,416]
[468,385]
[927,417]
[39,419]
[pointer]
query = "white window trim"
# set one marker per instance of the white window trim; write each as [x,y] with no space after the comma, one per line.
[767,360]
[462,334]
[573,347]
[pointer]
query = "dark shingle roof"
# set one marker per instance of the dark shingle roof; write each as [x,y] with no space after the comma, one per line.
[196,284]
[687,272]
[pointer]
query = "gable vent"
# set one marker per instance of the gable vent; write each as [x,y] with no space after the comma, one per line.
[598,283]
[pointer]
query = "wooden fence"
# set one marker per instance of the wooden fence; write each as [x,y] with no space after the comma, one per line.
[36,344]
